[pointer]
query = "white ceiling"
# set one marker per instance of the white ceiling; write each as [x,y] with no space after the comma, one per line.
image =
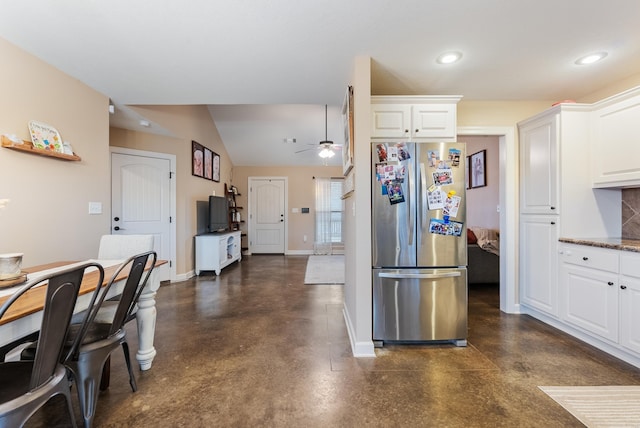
[267,67]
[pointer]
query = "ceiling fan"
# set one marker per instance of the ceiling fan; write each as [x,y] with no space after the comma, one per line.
[327,147]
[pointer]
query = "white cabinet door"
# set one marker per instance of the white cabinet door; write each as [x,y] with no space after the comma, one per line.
[390,120]
[591,300]
[539,166]
[615,125]
[539,263]
[434,121]
[630,313]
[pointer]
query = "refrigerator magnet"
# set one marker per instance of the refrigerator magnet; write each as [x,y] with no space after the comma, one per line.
[403,152]
[382,152]
[439,227]
[392,154]
[454,157]
[451,206]
[394,191]
[433,156]
[442,177]
[435,199]
[400,172]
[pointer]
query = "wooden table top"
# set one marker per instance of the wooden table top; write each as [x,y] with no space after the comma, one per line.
[33,300]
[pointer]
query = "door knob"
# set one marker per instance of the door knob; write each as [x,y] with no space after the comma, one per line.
[623,287]
[117,228]
[116,219]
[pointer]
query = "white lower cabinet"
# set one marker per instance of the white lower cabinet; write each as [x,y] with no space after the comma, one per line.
[630,301]
[590,300]
[215,251]
[539,263]
[599,294]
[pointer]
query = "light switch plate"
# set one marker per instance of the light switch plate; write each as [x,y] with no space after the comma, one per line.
[95,208]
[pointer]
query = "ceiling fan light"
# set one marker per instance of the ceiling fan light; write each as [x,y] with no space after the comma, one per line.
[326,153]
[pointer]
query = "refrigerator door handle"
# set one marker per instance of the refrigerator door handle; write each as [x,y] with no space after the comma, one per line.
[411,212]
[423,199]
[396,275]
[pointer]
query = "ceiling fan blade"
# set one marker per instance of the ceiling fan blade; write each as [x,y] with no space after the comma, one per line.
[305,150]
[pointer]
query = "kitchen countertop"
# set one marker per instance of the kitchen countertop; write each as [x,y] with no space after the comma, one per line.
[613,243]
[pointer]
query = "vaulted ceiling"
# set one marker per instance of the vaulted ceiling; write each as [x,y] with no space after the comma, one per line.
[266,68]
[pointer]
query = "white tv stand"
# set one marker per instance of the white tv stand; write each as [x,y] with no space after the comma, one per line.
[215,251]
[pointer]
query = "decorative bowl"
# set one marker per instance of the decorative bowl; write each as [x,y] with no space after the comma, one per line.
[10,265]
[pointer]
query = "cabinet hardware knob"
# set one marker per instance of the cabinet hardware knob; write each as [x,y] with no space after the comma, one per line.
[406,131]
[417,130]
[610,283]
[585,258]
[623,287]
[553,222]
[553,208]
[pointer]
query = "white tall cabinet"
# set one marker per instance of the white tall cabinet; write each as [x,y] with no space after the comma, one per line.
[556,199]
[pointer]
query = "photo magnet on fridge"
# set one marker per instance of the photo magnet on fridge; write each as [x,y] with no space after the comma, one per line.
[394,191]
[434,157]
[392,154]
[442,177]
[454,157]
[440,227]
[451,205]
[382,152]
[436,199]
[403,153]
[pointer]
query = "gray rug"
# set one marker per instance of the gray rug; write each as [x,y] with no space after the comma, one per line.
[325,270]
[599,406]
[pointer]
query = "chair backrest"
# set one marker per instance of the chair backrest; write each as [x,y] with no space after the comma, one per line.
[60,300]
[136,280]
[120,247]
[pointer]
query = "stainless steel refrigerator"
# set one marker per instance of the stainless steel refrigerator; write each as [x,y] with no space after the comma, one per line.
[419,242]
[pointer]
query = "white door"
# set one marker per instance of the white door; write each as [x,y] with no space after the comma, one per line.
[141,200]
[267,221]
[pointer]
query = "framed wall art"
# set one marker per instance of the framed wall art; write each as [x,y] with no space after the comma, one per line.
[197,159]
[208,164]
[477,169]
[347,117]
[216,168]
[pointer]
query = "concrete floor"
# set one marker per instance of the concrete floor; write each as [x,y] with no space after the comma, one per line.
[257,347]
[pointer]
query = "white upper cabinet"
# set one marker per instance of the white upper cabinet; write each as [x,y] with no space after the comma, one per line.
[418,118]
[539,165]
[615,141]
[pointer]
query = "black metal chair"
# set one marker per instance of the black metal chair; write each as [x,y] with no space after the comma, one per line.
[100,339]
[28,385]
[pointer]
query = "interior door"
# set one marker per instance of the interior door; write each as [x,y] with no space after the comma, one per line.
[267,221]
[140,200]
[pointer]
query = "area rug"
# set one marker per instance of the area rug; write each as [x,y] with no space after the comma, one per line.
[325,270]
[599,406]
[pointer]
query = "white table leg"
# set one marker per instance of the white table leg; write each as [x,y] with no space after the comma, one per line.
[146,320]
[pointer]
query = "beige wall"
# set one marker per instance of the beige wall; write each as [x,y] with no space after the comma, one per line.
[301,194]
[187,123]
[47,218]
[482,201]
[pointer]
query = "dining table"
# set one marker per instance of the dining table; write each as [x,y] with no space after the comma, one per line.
[24,317]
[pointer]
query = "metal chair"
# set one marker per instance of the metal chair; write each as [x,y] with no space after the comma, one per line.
[28,385]
[99,340]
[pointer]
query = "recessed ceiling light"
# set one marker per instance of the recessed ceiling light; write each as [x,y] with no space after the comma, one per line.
[591,58]
[449,57]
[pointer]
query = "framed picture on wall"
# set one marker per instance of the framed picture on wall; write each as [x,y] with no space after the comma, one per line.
[208,164]
[197,159]
[216,168]
[477,169]
[347,117]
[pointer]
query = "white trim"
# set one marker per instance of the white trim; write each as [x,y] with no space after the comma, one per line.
[508,153]
[299,252]
[359,349]
[172,202]
[286,209]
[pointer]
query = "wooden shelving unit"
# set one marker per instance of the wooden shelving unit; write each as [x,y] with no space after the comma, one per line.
[27,147]
[234,209]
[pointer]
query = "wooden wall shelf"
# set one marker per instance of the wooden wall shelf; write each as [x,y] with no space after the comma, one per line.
[27,147]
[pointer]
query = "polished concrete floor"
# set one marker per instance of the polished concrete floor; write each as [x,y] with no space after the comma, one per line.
[256,347]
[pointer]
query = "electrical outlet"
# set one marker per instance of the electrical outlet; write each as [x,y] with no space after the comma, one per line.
[95,207]
[304,238]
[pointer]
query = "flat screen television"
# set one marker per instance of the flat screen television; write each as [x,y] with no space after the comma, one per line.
[218,220]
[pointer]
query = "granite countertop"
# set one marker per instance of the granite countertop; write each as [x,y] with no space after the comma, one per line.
[613,243]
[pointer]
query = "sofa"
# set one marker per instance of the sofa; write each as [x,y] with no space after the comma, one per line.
[483,256]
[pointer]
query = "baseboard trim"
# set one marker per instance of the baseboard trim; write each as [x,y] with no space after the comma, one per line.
[364,349]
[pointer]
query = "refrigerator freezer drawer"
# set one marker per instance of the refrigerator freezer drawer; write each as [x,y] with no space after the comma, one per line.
[419,304]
